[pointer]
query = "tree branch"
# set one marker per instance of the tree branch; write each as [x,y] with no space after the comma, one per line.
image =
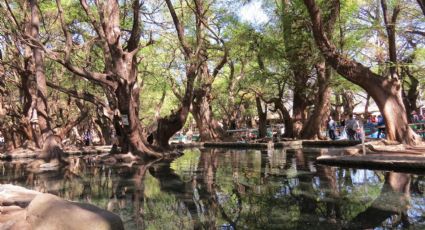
[180,30]
[74,93]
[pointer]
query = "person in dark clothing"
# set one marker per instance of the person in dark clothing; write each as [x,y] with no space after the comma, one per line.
[380,125]
[87,137]
[351,126]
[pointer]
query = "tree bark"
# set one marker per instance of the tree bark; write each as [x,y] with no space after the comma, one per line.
[287,120]
[397,186]
[348,102]
[300,100]
[42,106]
[208,126]
[168,126]
[299,53]
[390,28]
[385,91]
[262,118]
[411,96]
[120,77]
[422,5]
[313,127]
[209,129]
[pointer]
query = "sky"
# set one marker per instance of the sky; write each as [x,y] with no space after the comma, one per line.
[253,13]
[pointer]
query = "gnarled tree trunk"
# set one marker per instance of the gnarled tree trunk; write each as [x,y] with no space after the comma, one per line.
[262,118]
[168,126]
[41,103]
[313,127]
[120,76]
[209,129]
[385,91]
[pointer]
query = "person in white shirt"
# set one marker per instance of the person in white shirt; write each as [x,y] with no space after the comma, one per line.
[331,128]
[351,126]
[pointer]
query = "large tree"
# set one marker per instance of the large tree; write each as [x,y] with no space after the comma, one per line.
[168,126]
[27,62]
[119,76]
[385,90]
[299,52]
[313,127]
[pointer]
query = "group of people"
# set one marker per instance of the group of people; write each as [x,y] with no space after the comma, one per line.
[353,127]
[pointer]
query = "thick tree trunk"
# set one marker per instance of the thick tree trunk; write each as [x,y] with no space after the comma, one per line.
[313,127]
[287,120]
[168,126]
[299,108]
[422,5]
[396,186]
[366,107]
[42,107]
[300,100]
[348,102]
[262,118]
[385,91]
[412,95]
[391,105]
[337,107]
[105,127]
[8,140]
[131,137]
[299,53]
[209,129]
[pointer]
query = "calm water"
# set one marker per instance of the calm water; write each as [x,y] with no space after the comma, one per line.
[230,189]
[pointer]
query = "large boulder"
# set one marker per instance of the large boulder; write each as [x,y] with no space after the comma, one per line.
[16,195]
[47,212]
[22,209]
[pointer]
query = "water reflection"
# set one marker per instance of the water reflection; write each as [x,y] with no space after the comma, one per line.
[232,189]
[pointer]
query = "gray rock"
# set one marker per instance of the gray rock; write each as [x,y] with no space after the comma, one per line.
[47,212]
[16,195]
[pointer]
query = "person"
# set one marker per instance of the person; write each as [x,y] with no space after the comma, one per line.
[331,128]
[189,135]
[373,120]
[380,125]
[415,117]
[351,127]
[359,127]
[87,137]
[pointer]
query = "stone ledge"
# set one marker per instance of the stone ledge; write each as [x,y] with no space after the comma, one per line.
[396,162]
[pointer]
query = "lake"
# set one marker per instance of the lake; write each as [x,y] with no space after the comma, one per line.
[230,189]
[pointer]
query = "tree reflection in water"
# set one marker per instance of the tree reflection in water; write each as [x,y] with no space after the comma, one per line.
[216,188]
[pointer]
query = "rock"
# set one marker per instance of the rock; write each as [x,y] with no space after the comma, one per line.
[52,165]
[47,212]
[16,195]
[20,153]
[13,201]
[13,217]
[22,208]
